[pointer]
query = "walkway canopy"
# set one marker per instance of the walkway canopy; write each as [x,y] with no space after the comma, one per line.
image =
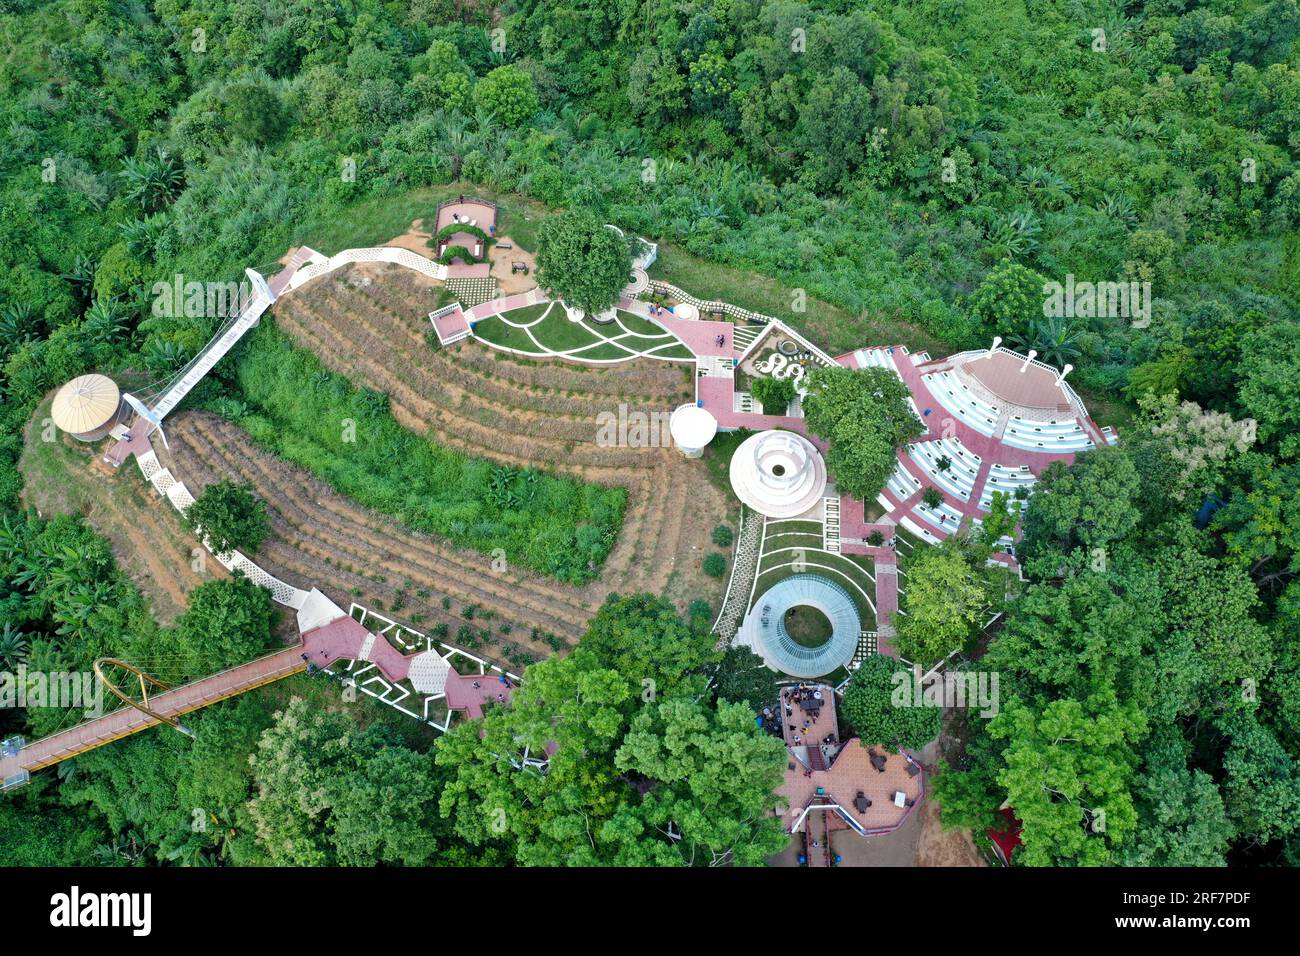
[764,627]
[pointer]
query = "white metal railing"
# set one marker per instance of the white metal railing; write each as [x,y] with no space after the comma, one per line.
[390,254]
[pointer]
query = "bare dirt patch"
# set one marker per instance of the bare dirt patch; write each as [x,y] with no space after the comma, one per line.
[510,282]
[146,534]
[939,847]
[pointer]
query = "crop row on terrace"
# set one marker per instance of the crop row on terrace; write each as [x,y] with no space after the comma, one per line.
[323,539]
[522,413]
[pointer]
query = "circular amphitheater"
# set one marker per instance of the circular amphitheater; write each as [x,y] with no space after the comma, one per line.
[764,629]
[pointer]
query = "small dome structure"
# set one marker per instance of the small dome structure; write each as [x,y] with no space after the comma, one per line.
[692,428]
[779,474]
[87,407]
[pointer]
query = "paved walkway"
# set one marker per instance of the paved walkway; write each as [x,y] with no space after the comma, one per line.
[342,639]
[698,335]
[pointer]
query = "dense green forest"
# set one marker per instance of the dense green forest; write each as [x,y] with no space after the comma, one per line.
[926,165]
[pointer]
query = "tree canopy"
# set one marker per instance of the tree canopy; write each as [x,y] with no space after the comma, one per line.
[581,261]
[881,704]
[230,516]
[628,763]
[864,415]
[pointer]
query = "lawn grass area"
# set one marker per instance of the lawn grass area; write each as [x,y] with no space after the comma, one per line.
[372,221]
[783,525]
[518,217]
[807,626]
[907,542]
[642,342]
[557,333]
[604,351]
[555,525]
[784,554]
[863,561]
[677,351]
[529,313]
[717,458]
[835,329]
[377,220]
[496,332]
[793,539]
[873,510]
[640,325]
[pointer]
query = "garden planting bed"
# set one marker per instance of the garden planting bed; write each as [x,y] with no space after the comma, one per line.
[540,413]
[323,539]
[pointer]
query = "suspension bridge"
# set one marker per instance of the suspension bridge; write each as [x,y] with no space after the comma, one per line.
[154,405]
[327,634]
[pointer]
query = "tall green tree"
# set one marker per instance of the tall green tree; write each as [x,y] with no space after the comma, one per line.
[884,708]
[1089,506]
[581,261]
[644,638]
[329,792]
[864,415]
[627,769]
[1069,773]
[230,517]
[945,598]
[507,93]
[227,622]
[710,777]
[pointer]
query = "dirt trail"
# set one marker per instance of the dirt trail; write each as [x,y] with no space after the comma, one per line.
[149,542]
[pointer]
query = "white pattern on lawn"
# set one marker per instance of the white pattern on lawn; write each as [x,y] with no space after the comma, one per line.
[618,341]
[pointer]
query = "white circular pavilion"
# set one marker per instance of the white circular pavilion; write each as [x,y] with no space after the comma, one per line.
[692,428]
[779,474]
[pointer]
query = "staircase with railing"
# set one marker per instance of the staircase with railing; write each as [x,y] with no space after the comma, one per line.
[213,353]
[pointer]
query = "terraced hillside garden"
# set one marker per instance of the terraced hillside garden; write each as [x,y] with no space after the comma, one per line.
[367,323]
[346,436]
[323,538]
[63,476]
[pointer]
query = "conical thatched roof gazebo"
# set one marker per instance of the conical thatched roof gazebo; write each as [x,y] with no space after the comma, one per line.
[87,407]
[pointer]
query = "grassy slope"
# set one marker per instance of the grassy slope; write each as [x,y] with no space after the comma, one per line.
[149,542]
